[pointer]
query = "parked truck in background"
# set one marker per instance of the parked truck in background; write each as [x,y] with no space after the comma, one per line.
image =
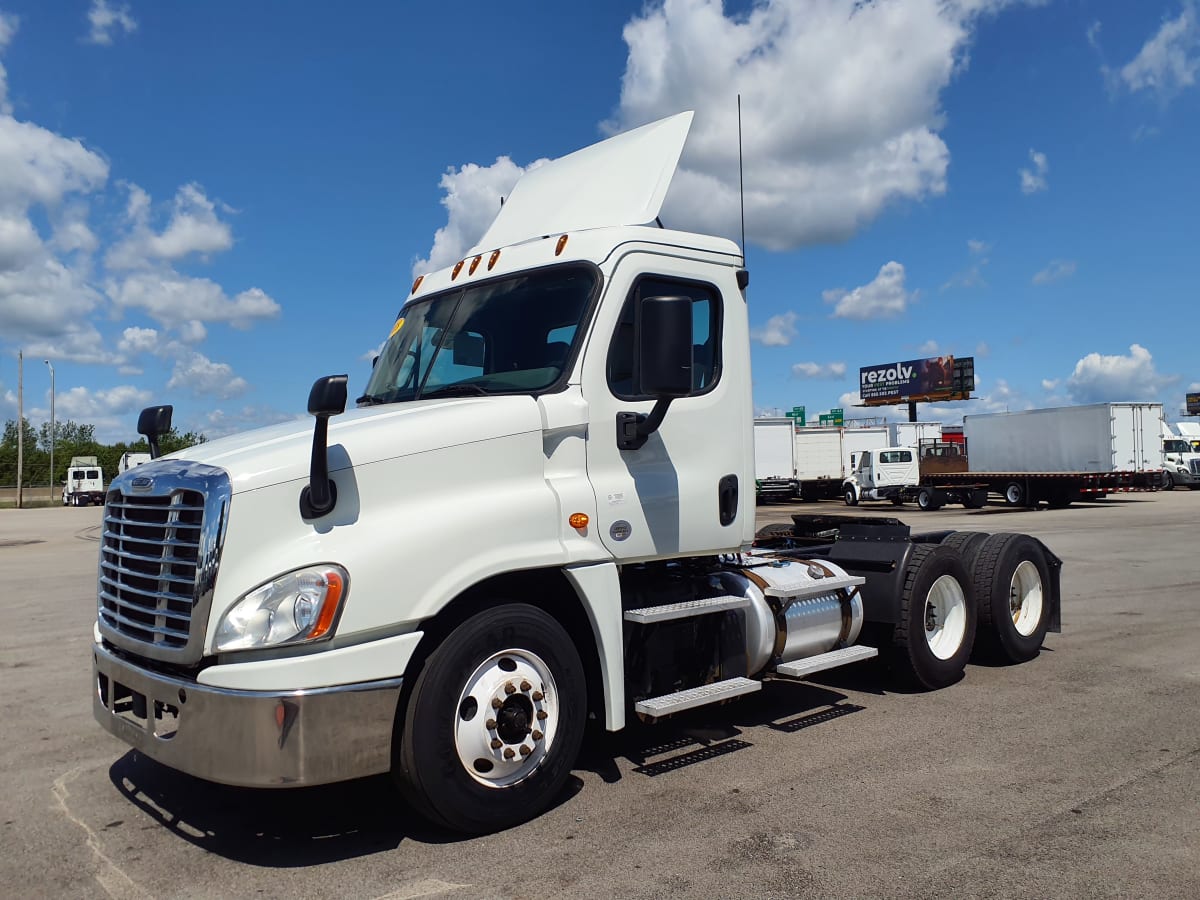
[128,460]
[913,434]
[85,482]
[1190,432]
[539,514]
[1056,456]
[819,460]
[775,458]
[1181,463]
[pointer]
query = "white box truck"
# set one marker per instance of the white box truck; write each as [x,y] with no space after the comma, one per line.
[914,434]
[540,512]
[826,456]
[128,460]
[774,458]
[85,482]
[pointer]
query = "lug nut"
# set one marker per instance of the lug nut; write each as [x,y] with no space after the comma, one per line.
[508,752]
[509,689]
[525,751]
[537,696]
[497,743]
[541,714]
[490,724]
[496,704]
[537,735]
[525,686]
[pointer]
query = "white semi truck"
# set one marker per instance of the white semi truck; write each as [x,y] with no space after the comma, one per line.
[85,482]
[540,513]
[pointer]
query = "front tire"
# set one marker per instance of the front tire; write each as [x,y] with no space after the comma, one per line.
[1168,482]
[1012,578]
[850,495]
[936,629]
[494,722]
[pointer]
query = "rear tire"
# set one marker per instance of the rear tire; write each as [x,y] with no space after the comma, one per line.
[975,499]
[936,629]
[1015,494]
[1012,579]
[927,500]
[850,495]
[967,543]
[775,530]
[474,756]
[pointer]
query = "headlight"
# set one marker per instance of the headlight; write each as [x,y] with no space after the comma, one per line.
[294,608]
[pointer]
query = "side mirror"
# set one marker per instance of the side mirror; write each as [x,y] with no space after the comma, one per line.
[154,422]
[664,335]
[663,329]
[327,398]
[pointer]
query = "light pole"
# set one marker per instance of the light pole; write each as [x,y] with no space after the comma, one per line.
[52,427]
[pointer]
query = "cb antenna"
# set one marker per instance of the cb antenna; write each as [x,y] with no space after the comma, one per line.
[741,182]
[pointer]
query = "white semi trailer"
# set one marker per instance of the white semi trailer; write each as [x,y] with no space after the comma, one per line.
[541,511]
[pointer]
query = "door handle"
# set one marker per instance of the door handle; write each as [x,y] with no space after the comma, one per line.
[727,498]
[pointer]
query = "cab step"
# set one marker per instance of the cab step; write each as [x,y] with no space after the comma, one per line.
[669,611]
[802,668]
[655,707]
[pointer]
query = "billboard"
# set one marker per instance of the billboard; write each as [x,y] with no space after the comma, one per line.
[934,378]
[1193,404]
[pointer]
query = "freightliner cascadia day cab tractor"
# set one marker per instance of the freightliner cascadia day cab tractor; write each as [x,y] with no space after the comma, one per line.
[541,512]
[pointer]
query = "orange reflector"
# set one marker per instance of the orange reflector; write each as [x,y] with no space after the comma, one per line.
[329,608]
[562,242]
[457,268]
[474,265]
[493,259]
[417,284]
[578,520]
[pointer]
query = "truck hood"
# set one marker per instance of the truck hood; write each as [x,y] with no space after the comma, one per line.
[280,453]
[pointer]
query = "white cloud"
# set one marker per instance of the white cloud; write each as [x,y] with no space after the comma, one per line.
[192,229]
[1098,378]
[19,243]
[841,110]
[1034,180]
[929,348]
[1169,61]
[972,276]
[8,28]
[198,374]
[779,331]
[192,331]
[80,343]
[977,247]
[831,370]
[176,300]
[105,20]
[139,340]
[883,298]
[84,405]
[472,199]
[1056,270]
[1093,34]
[983,350]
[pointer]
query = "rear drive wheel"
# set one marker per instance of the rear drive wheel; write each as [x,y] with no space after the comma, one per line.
[975,499]
[928,500]
[936,628]
[775,530]
[1014,494]
[897,500]
[850,495]
[494,722]
[1012,580]
[967,543]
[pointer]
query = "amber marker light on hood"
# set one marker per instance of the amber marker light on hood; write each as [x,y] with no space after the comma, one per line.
[417,284]
[578,520]
[457,268]
[474,265]
[493,259]
[561,245]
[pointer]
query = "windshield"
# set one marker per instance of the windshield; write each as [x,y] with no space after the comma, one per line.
[1176,447]
[514,335]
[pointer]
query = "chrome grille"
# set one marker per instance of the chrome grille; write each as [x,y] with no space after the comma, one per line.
[148,562]
[1194,465]
[159,552]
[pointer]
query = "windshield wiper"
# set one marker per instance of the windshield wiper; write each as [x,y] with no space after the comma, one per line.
[455,390]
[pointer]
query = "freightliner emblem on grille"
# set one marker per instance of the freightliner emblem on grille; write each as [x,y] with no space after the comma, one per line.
[143,483]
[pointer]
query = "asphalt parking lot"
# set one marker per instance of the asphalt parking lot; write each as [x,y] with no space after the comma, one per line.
[1077,774]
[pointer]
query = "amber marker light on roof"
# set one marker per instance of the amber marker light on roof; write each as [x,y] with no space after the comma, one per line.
[457,268]
[493,259]
[417,284]
[562,243]
[578,520]
[474,265]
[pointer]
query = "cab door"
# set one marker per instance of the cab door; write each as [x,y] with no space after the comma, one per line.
[684,492]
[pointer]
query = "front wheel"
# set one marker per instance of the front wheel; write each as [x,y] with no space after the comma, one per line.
[1014,494]
[850,495]
[494,722]
[936,627]
[1168,482]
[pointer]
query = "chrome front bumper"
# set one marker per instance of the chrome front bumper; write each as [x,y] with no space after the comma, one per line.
[247,738]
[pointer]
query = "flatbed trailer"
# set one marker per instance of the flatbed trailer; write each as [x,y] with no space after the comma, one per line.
[1056,489]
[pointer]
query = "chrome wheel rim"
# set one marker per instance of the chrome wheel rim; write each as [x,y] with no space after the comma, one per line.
[506,718]
[1025,598]
[945,617]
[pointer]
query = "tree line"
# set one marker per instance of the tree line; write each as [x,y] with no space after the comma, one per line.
[72,439]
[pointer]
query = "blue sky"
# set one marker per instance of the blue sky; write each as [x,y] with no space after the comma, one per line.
[213,204]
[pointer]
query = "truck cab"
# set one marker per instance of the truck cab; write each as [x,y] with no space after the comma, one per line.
[84,484]
[883,474]
[1181,464]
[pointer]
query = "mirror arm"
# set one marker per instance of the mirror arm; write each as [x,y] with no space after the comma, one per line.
[634,428]
[320,496]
